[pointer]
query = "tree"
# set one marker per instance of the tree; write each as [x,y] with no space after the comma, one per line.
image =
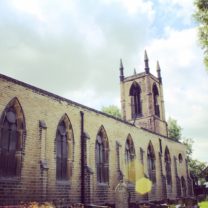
[112,110]
[196,167]
[174,130]
[201,16]
[189,146]
[175,133]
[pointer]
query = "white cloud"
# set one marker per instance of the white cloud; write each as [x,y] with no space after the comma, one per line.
[182,9]
[185,82]
[134,7]
[73,48]
[200,150]
[91,98]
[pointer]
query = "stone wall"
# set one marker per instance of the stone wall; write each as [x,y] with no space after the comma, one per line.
[37,183]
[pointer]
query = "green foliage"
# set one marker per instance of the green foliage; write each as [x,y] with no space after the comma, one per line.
[203,204]
[175,133]
[189,146]
[112,110]
[196,167]
[201,16]
[174,130]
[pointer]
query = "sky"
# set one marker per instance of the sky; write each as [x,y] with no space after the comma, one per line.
[72,48]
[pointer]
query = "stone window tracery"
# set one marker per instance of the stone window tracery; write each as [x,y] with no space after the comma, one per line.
[130,160]
[101,156]
[11,139]
[136,105]
[64,149]
[183,185]
[168,166]
[151,163]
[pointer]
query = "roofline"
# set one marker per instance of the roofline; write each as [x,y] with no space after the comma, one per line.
[139,75]
[57,97]
[161,135]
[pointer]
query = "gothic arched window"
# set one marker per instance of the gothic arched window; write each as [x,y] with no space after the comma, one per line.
[156,101]
[168,166]
[136,105]
[180,158]
[101,156]
[130,159]
[11,139]
[178,186]
[64,149]
[183,185]
[151,162]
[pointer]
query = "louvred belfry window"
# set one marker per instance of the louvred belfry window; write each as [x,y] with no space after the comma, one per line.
[101,157]
[151,163]
[168,166]
[130,160]
[64,149]
[11,139]
[136,105]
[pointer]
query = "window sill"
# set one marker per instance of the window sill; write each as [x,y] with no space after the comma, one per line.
[9,179]
[102,184]
[135,116]
[63,182]
[130,184]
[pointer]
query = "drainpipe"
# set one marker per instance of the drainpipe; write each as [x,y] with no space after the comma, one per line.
[82,159]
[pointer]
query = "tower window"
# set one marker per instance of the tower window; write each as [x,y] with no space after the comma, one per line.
[160,142]
[136,105]
[156,101]
[180,158]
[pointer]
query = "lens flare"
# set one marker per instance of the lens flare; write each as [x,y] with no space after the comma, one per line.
[143,185]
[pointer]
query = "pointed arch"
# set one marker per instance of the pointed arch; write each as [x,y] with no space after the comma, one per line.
[130,159]
[64,148]
[136,104]
[12,133]
[155,100]
[151,162]
[178,186]
[102,156]
[183,185]
[168,166]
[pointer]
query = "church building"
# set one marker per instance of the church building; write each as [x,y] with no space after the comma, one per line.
[56,150]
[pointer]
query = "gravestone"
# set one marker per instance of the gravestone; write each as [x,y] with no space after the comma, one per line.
[121,195]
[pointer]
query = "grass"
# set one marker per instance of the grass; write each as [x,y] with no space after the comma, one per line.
[203,204]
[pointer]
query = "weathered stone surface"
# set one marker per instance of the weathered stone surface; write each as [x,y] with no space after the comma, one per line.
[36,184]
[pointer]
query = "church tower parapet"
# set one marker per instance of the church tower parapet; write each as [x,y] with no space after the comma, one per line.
[142,100]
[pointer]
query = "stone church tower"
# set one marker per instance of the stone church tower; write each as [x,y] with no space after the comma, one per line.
[142,100]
